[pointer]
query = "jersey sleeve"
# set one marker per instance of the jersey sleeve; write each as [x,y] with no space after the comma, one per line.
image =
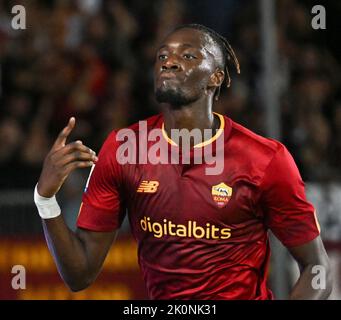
[287,212]
[102,208]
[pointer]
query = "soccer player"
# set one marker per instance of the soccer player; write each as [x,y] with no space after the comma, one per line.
[199,236]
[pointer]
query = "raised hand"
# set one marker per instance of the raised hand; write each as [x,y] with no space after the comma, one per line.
[62,160]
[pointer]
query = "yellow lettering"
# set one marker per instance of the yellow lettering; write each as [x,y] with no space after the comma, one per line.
[157,229]
[181,230]
[143,223]
[195,229]
[226,233]
[190,230]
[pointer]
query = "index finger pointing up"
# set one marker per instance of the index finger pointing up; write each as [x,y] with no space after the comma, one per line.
[61,139]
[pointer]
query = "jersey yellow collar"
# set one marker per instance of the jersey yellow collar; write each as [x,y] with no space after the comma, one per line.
[202,144]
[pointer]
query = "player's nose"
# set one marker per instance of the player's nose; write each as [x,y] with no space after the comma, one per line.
[171,64]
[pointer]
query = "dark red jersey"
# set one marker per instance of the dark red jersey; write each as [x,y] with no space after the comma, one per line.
[203,236]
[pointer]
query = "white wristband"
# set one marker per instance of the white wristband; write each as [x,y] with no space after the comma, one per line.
[48,208]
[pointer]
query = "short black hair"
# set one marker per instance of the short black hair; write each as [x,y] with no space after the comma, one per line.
[223,44]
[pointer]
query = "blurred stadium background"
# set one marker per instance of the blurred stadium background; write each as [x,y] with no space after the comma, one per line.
[93,59]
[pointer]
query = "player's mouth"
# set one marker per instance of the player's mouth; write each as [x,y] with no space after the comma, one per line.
[167,75]
[169,78]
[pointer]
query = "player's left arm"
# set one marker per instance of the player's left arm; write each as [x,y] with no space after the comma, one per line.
[315,280]
[293,220]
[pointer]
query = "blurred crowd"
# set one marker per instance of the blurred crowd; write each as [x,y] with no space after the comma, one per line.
[93,59]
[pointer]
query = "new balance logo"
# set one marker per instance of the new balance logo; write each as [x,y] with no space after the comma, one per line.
[148,186]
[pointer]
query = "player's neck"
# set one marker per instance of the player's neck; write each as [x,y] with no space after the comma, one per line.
[197,115]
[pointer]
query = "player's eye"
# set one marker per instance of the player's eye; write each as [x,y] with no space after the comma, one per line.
[189,56]
[162,57]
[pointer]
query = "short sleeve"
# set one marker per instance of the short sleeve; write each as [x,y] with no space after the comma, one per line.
[286,210]
[102,208]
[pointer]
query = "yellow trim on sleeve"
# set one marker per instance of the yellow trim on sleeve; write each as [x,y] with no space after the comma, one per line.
[317,222]
[79,211]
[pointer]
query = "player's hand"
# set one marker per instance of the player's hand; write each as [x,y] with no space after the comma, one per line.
[62,160]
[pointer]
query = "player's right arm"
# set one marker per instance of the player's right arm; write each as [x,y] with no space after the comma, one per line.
[78,255]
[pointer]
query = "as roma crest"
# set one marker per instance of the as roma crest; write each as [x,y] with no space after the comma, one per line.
[221,194]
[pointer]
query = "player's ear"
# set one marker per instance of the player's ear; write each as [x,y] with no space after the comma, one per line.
[216,78]
[215,82]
